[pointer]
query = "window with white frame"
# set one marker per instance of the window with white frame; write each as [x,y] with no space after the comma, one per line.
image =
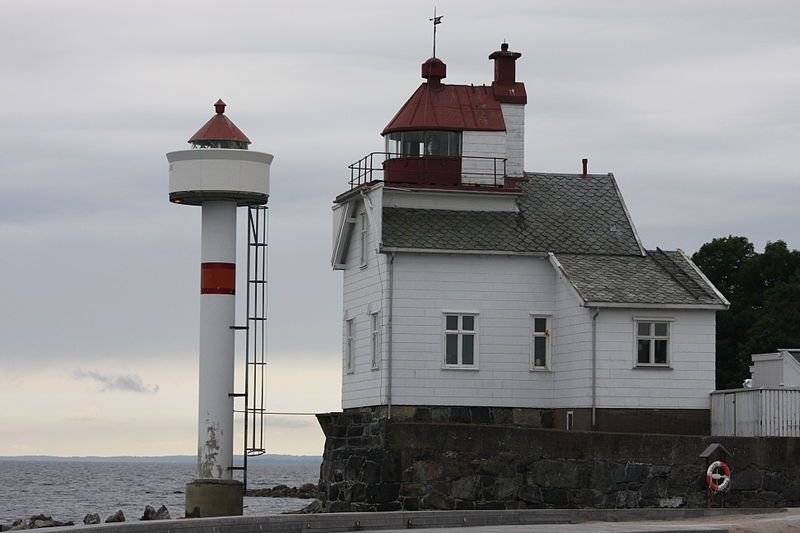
[349,362]
[375,338]
[363,243]
[652,342]
[540,342]
[461,340]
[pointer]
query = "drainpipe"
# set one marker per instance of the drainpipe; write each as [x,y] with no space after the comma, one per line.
[594,367]
[390,296]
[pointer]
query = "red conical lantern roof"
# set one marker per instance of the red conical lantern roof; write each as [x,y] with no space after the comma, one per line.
[219,128]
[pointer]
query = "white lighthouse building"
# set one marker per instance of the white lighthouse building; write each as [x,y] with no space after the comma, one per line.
[218,174]
[477,292]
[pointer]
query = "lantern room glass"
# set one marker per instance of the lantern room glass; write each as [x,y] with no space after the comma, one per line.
[423,143]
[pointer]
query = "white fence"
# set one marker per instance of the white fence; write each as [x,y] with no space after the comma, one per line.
[756,412]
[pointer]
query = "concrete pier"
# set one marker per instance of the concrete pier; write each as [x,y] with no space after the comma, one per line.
[517,521]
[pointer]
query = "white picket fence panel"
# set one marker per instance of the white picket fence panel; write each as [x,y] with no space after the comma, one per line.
[756,412]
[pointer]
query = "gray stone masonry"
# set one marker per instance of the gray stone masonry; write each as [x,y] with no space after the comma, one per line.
[371,463]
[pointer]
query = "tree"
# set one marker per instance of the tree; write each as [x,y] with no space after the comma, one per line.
[722,261]
[764,292]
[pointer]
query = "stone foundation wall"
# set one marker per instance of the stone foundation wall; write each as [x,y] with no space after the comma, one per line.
[371,463]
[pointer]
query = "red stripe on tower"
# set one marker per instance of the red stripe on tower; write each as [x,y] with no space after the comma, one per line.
[218,278]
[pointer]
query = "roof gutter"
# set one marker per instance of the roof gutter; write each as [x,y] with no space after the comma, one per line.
[393,249]
[628,305]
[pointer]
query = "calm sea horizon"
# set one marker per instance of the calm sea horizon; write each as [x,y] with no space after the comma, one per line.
[69,488]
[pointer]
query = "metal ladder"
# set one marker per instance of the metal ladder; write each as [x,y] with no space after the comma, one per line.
[254,394]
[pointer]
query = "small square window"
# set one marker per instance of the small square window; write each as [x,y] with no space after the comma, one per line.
[652,343]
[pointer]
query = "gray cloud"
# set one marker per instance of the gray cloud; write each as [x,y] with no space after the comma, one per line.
[691,104]
[110,382]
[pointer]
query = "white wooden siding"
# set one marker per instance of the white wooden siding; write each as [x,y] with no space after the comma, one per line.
[572,349]
[504,291]
[453,200]
[684,385]
[514,117]
[363,294]
[756,413]
[482,144]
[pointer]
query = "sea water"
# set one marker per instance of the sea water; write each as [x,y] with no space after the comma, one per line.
[68,490]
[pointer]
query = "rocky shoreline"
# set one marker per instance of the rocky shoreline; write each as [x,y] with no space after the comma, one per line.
[305,492]
[308,491]
[42,520]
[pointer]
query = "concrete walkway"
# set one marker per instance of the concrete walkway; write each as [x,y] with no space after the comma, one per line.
[785,521]
[541,521]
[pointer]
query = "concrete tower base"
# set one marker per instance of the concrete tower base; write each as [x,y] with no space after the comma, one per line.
[214,497]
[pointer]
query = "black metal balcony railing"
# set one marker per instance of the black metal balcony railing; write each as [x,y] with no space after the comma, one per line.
[417,170]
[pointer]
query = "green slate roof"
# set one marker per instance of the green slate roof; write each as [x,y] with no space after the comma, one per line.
[557,213]
[582,221]
[660,277]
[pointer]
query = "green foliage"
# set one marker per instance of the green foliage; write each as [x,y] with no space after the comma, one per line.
[764,292]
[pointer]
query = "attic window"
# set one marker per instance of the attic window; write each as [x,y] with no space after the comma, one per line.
[423,143]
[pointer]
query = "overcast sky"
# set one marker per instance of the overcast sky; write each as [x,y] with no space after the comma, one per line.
[694,106]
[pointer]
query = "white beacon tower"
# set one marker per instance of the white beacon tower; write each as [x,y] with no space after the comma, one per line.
[219,174]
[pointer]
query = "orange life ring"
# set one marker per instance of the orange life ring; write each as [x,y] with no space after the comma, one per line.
[716,481]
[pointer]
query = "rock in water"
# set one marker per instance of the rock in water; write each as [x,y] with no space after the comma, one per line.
[42,521]
[91,518]
[152,514]
[313,507]
[119,516]
[35,522]
[149,513]
[18,524]
[308,490]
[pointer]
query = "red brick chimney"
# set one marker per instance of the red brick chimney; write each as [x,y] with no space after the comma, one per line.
[506,87]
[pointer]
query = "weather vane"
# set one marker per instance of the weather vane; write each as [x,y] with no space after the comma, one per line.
[436,21]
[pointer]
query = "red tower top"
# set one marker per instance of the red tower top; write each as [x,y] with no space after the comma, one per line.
[220,132]
[434,70]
